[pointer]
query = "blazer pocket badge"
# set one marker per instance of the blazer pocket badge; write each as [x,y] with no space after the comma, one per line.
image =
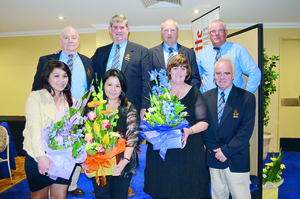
[235,113]
[127,57]
[88,73]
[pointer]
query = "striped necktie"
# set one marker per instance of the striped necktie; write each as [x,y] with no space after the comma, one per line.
[70,63]
[116,59]
[218,55]
[221,105]
[171,53]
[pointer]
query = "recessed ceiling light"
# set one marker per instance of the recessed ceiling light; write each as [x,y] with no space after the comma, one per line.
[61,17]
[196,11]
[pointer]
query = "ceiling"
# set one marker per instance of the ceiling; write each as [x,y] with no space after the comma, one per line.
[28,16]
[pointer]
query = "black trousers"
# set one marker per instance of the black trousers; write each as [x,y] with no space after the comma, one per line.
[116,187]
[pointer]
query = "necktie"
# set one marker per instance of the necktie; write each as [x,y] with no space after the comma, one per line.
[70,63]
[171,53]
[116,59]
[221,105]
[218,55]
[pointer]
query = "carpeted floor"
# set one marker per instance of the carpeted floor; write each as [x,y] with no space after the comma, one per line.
[288,190]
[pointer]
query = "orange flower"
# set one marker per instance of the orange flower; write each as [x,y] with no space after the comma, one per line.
[94,104]
[105,112]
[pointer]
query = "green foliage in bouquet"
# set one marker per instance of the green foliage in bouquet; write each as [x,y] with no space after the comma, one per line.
[273,170]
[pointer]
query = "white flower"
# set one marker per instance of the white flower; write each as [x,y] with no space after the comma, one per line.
[282,166]
[264,176]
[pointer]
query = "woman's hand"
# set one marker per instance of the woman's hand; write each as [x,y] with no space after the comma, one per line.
[85,169]
[186,133]
[44,164]
[120,167]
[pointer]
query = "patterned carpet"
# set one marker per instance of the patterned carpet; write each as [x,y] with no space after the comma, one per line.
[288,190]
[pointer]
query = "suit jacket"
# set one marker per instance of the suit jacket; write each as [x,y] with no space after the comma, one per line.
[157,60]
[39,112]
[87,62]
[135,67]
[234,132]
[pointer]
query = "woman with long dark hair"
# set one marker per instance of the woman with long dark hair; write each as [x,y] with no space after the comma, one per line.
[43,107]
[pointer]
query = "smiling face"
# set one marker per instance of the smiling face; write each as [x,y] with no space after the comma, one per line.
[112,88]
[58,80]
[119,32]
[224,75]
[69,41]
[178,74]
[217,33]
[169,32]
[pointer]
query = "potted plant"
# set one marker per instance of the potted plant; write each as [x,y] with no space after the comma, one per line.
[269,78]
[271,176]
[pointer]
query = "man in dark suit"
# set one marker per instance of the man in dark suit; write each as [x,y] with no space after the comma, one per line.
[231,122]
[160,55]
[82,75]
[133,61]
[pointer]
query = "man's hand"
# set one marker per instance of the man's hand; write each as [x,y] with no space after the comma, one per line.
[219,155]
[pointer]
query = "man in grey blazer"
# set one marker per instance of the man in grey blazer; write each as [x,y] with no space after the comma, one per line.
[231,122]
[82,75]
[160,55]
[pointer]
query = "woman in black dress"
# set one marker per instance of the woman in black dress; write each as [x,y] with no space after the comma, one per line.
[184,173]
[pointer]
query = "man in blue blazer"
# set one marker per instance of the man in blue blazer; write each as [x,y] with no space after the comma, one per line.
[159,55]
[82,75]
[231,122]
[133,62]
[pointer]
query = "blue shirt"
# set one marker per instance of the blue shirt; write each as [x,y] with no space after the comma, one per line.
[79,81]
[166,52]
[242,60]
[112,53]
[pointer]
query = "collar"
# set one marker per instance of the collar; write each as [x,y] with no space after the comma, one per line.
[64,55]
[121,44]
[166,47]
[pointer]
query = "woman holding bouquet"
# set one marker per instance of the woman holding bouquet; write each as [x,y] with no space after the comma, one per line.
[183,173]
[43,107]
[115,87]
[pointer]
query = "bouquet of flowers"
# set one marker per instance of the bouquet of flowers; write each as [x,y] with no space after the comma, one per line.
[272,172]
[165,118]
[63,140]
[102,143]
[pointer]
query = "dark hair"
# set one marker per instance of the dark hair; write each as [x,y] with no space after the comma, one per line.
[179,60]
[47,70]
[118,74]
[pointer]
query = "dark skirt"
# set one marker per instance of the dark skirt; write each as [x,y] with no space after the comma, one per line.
[37,181]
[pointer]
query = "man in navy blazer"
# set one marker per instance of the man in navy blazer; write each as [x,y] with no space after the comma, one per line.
[82,75]
[133,62]
[227,137]
[159,54]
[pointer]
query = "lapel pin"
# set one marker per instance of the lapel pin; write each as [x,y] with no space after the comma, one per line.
[235,113]
[127,57]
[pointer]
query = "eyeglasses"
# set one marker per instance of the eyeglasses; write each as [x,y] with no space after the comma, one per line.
[214,32]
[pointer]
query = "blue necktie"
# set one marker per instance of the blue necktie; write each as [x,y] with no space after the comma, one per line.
[218,55]
[221,105]
[116,59]
[171,53]
[70,63]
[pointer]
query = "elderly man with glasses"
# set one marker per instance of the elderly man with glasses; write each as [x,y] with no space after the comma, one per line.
[220,48]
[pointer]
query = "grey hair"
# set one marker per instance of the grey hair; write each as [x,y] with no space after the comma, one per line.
[218,20]
[118,18]
[225,59]
[162,24]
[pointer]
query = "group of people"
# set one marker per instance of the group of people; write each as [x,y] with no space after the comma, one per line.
[220,112]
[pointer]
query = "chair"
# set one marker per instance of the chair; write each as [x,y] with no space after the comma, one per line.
[4,143]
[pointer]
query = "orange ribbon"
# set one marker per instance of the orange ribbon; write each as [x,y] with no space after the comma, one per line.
[101,160]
